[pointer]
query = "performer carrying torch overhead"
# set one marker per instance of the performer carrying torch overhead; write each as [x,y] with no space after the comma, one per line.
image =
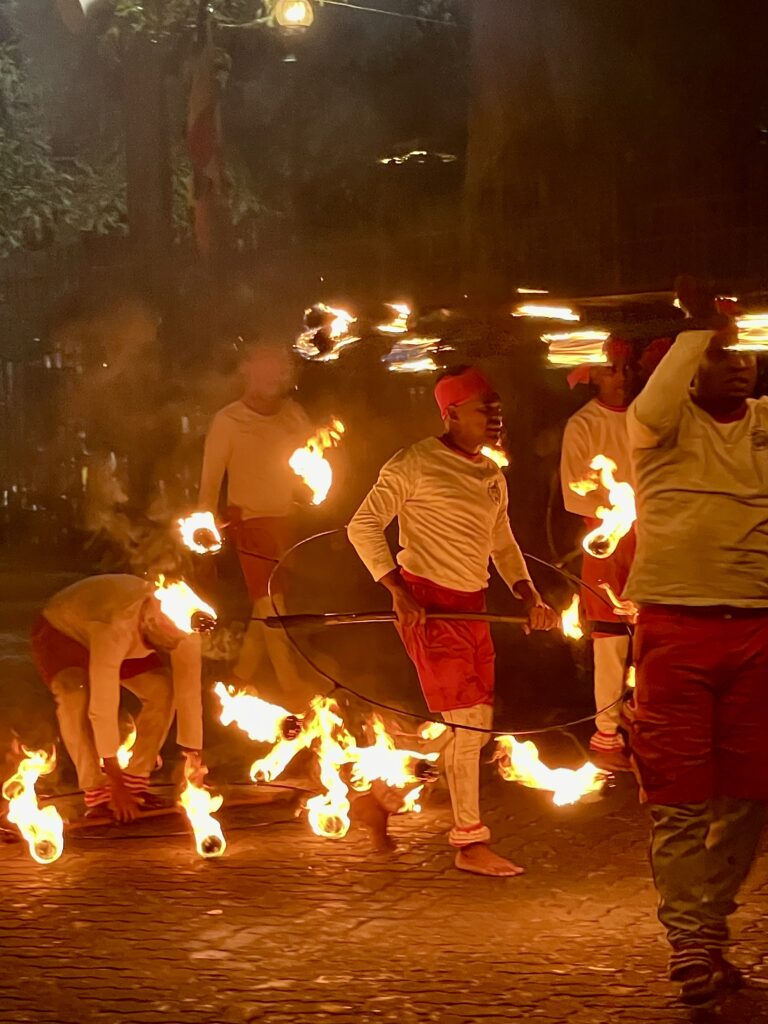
[451,505]
[700,577]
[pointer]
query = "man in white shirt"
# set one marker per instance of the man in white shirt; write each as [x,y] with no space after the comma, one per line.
[600,428]
[94,638]
[250,441]
[451,506]
[700,577]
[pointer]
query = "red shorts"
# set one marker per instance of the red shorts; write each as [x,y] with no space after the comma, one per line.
[260,543]
[52,652]
[613,570]
[454,660]
[700,723]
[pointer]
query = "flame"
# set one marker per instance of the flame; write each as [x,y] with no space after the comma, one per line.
[41,827]
[328,813]
[324,731]
[531,291]
[125,750]
[545,312]
[432,730]
[413,355]
[384,761]
[631,676]
[310,464]
[496,455]
[180,604]
[753,333]
[627,609]
[262,722]
[339,332]
[199,804]
[200,534]
[569,620]
[575,348]
[617,517]
[520,762]
[399,322]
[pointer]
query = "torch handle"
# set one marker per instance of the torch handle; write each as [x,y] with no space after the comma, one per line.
[353,618]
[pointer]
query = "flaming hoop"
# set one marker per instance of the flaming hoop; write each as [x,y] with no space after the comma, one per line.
[42,828]
[200,533]
[310,463]
[617,518]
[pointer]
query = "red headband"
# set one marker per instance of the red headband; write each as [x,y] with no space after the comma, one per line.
[614,348]
[461,388]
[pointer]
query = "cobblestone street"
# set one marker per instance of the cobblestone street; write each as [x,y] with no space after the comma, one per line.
[288,928]
[131,926]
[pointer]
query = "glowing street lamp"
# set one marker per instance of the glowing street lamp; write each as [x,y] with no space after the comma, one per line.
[294,13]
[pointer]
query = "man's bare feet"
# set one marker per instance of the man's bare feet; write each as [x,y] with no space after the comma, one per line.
[479,859]
[366,810]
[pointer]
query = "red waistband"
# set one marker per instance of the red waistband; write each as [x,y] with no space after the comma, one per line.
[710,611]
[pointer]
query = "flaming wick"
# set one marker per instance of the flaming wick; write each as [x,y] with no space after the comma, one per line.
[616,518]
[200,534]
[199,804]
[310,463]
[41,827]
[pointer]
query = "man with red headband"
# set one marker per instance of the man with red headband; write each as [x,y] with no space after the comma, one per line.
[700,578]
[451,504]
[600,428]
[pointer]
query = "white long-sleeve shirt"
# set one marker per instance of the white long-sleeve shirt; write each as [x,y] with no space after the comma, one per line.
[103,614]
[452,516]
[253,450]
[596,429]
[702,492]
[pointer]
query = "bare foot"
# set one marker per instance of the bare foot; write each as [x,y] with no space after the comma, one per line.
[480,859]
[366,810]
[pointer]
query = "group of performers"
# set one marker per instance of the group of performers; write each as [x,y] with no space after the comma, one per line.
[693,443]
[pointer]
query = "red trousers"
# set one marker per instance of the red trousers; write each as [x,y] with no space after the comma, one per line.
[260,543]
[700,727]
[52,652]
[454,660]
[613,570]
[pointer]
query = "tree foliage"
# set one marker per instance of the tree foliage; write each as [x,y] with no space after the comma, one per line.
[42,198]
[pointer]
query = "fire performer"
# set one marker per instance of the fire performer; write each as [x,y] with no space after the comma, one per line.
[91,639]
[251,441]
[451,504]
[600,427]
[700,577]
